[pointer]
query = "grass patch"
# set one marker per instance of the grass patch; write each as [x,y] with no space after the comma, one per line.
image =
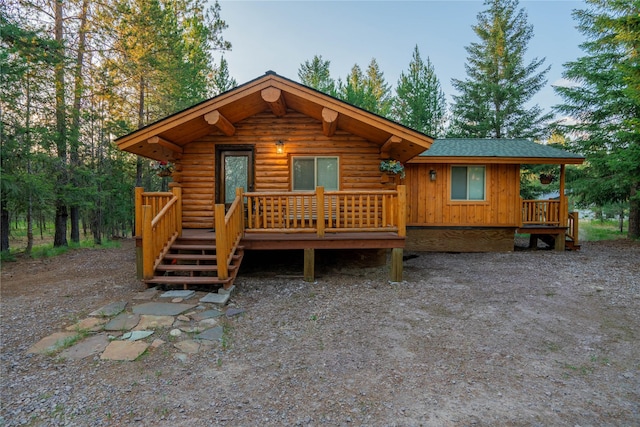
[593,231]
[47,250]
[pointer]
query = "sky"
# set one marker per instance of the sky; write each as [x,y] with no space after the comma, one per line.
[281,35]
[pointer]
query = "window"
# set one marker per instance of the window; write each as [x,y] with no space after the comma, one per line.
[467,182]
[312,172]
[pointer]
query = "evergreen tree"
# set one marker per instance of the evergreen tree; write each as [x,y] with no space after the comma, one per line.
[368,91]
[316,74]
[420,102]
[221,80]
[605,102]
[492,100]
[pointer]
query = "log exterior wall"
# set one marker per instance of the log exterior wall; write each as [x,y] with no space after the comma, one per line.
[359,160]
[430,204]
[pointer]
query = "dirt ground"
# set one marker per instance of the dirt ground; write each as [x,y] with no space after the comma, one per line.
[527,338]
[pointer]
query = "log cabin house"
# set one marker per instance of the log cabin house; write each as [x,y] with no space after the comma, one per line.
[273,165]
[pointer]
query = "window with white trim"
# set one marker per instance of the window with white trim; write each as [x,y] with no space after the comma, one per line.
[312,172]
[468,183]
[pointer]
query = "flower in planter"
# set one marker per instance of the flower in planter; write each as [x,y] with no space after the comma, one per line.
[392,166]
[162,168]
[546,178]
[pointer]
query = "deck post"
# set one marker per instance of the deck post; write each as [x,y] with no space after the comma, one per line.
[309,264]
[177,192]
[222,246]
[148,255]
[138,231]
[396,264]
[320,211]
[564,213]
[402,211]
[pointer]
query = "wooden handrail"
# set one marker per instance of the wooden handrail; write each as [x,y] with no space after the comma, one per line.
[541,212]
[573,231]
[158,223]
[327,211]
[229,230]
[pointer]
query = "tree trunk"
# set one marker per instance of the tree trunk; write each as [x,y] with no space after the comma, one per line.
[634,213]
[60,237]
[4,228]
[75,118]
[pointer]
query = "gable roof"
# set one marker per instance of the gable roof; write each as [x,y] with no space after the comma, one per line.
[476,150]
[166,138]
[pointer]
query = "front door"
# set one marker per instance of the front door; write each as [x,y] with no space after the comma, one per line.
[235,169]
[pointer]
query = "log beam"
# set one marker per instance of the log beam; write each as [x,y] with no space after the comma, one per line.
[388,145]
[215,118]
[273,97]
[165,143]
[329,121]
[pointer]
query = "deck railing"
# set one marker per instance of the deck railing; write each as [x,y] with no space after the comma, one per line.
[572,232]
[158,223]
[229,230]
[332,211]
[541,212]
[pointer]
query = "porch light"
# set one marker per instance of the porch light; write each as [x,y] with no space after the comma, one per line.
[279,147]
[432,174]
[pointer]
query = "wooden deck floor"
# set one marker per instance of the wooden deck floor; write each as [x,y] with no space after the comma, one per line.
[270,241]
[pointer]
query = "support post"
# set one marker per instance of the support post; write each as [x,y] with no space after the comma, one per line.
[222,246]
[148,255]
[309,264]
[402,211]
[138,232]
[396,264]
[177,192]
[320,211]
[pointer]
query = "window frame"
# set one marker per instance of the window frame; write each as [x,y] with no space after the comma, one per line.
[315,171]
[485,198]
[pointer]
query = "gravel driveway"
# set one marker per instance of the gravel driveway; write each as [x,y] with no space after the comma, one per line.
[528,338]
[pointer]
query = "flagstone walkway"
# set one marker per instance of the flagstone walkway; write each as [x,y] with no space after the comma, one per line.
[124,331]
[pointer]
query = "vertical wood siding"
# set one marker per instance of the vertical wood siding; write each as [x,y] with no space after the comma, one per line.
[359,160]
[429,202]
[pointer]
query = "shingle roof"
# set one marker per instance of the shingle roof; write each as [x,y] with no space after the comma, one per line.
[521,148]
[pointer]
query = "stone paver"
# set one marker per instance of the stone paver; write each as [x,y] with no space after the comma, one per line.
[207,314]
[162,308]
[212,298]
[178,294]
[109,309]
[91,324]
[122,322]
[233,312]
[149,321]
[124,350]
[90,346]
[136,335]
[213,334]
[188,346]
[51,342]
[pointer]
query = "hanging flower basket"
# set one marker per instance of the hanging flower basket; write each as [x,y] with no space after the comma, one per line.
[546,178]
[162,168]
[391,166]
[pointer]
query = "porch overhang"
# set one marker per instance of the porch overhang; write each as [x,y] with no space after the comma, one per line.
[165,139]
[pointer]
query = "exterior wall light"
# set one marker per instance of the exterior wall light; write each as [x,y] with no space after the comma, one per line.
[432,174]
[279,147]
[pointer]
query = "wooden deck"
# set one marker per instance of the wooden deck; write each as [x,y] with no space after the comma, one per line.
[283,241]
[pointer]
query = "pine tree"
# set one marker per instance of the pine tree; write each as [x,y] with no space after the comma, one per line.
[605,102]
[316,74]
[221,81]
[420,102]
[492,99]
[368,91]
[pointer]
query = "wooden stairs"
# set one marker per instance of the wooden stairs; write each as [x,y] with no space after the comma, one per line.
[191,262]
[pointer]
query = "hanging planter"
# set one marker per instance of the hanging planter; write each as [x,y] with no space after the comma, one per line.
[163,168]
[393,167]
[546,178]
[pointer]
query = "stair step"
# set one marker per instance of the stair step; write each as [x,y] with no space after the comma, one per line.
[187,280]
[191,257]
[191,247]
[190,267]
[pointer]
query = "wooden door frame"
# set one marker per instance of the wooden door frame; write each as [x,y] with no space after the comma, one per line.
[219,156]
